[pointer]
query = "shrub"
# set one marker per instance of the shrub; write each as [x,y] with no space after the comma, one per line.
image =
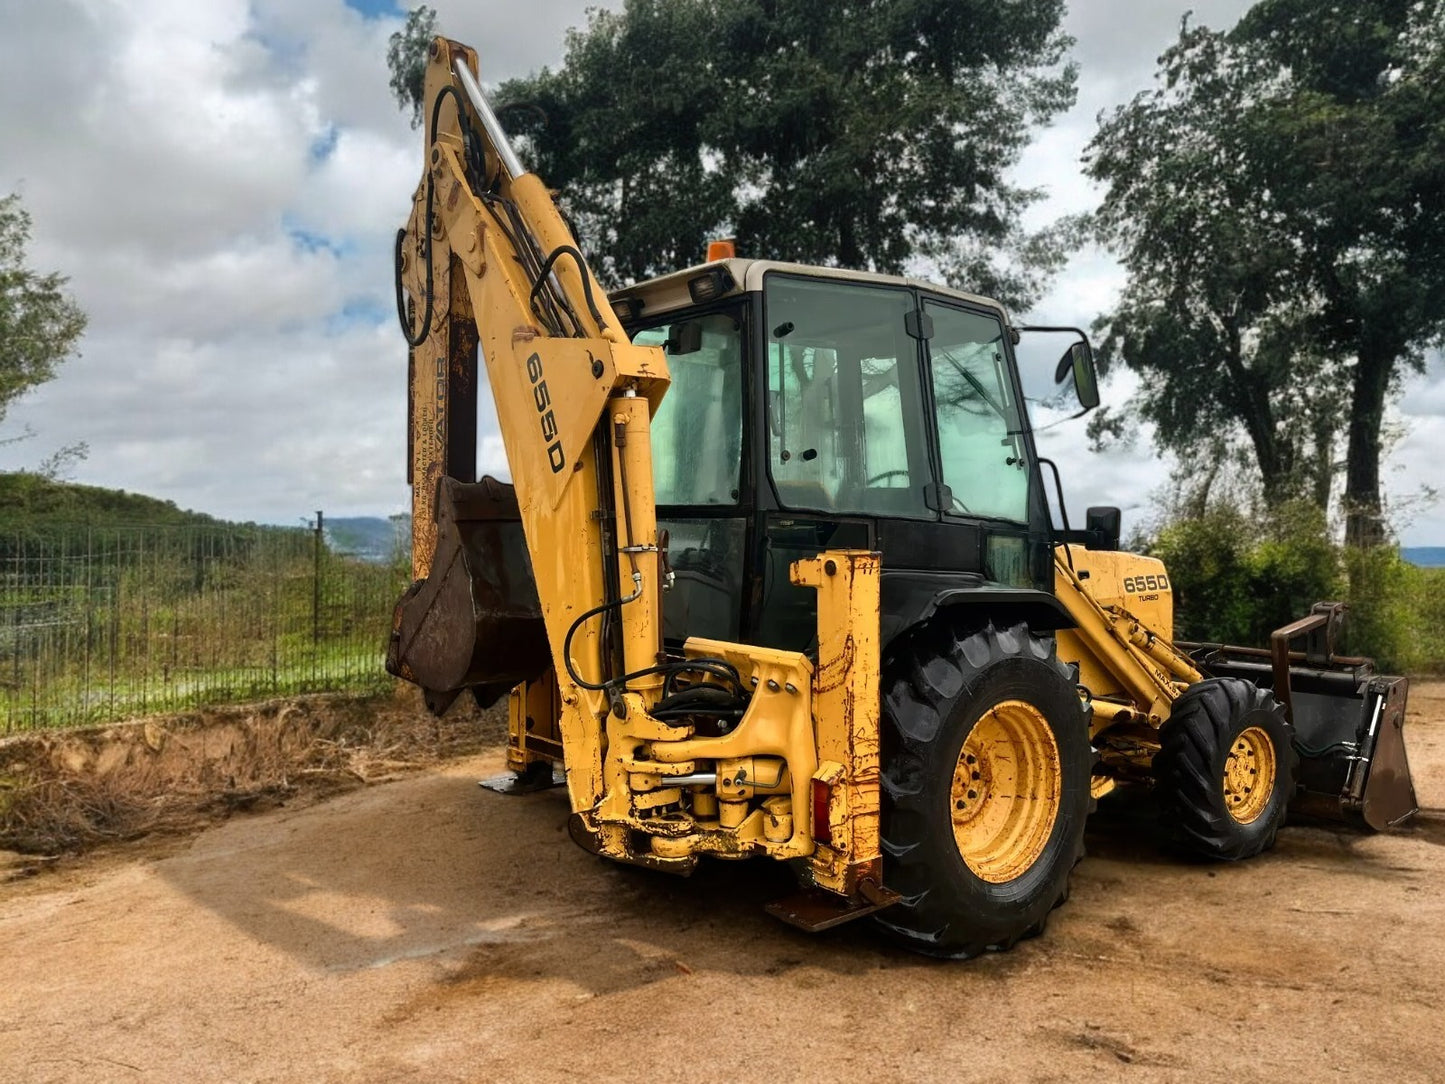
[1238,577]
[1397,611]
[1207,559]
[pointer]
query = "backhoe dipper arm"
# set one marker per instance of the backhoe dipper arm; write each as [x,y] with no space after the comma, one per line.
[487,261]
[487,265]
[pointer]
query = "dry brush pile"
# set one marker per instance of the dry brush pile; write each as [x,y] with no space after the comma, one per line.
[64,791]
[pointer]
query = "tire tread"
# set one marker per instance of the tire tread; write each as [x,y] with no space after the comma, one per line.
[923,921]
[1202,724]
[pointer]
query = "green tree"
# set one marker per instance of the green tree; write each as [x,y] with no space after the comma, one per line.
[1277,203]
[39,324]
[865,134]
[1206,316]
[406,56]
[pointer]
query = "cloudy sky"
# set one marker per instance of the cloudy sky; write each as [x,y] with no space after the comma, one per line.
[221,180]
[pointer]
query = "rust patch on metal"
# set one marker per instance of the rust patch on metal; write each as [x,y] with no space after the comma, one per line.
[835,671]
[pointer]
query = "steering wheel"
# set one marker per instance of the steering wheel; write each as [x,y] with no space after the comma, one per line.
[887,474]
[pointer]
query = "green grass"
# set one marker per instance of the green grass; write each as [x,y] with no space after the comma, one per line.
[101,624]
[74,700]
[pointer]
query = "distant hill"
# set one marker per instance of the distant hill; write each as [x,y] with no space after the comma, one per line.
[33,501]
[35,507]
[371,538]
[1424,556]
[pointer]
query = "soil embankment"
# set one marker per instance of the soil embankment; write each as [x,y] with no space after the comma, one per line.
[68,791]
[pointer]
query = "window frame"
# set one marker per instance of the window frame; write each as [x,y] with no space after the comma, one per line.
[920,441]
[1025,432]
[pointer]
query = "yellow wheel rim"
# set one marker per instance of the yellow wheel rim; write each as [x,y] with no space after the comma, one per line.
[1249,775]
[1005,793]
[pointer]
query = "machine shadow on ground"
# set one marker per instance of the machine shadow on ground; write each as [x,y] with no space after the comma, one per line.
[435,867]
[495,891]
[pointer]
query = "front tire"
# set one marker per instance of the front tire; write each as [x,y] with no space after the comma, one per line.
[1225,769]
[986,770]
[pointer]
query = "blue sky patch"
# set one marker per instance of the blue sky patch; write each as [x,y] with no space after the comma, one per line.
[308,240]
[360,311]
[374,9]
[324,144]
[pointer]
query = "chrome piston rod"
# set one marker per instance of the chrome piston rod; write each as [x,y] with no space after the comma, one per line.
[697,779]
[493,127]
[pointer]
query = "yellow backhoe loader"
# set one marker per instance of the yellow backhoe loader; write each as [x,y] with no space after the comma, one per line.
[775,575]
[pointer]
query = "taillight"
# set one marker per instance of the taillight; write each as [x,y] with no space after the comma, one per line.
[822,799]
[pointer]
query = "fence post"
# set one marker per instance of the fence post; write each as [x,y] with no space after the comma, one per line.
[316,582]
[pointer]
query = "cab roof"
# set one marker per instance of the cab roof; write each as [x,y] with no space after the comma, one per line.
[669,292]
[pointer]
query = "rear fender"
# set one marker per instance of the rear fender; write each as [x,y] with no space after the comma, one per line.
[912,598]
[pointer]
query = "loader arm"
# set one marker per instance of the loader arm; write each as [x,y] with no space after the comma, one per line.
[1345,721]
[1150,669]
[486,264]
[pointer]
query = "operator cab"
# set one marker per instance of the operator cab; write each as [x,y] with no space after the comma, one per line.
[816,409]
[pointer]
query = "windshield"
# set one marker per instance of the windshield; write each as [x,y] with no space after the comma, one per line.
[697,433]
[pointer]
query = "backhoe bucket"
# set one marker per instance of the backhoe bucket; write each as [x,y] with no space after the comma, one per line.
[1348,721]
[474,622]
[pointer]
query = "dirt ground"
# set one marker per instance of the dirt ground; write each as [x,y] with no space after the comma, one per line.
[426,930]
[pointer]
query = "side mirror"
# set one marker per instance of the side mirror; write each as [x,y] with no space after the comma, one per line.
[1102,524]
[1079,359]
[686,338]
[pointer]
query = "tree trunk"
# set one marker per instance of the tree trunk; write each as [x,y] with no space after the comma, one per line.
[1324,467]
[849,255]
[1199,501]
[1250,401]
[1364,512]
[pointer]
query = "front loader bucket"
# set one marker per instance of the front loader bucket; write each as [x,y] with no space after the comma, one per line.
[474,622]
[1348,721]
[1353,765]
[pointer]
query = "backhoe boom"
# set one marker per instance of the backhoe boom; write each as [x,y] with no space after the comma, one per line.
[490,266]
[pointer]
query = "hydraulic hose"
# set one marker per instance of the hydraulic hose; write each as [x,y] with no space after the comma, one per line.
[469,154]
[558,252]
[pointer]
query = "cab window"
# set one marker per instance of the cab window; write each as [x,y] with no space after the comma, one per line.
[980,431]
[845,408]
[697,433]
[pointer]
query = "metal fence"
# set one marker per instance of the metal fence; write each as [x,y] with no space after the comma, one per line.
[105,624]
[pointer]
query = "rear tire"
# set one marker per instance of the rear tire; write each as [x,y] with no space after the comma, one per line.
[1225,769]
[986,768]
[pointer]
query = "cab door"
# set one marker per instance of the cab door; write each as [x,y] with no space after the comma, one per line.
[987,488]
